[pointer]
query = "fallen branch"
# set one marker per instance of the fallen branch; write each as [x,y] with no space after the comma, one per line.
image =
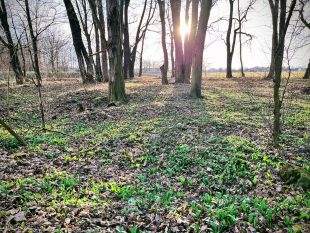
[13,133]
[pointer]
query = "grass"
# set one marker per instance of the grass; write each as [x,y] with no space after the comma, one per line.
[160,160]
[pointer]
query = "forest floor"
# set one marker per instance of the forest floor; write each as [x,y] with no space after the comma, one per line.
[160,163]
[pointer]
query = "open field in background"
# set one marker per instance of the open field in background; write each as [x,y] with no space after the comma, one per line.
[61,75]
[160,162]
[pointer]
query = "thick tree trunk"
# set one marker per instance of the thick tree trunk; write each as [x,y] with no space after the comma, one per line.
[116,81]
[188,45]
[81,53]
[126,40]
[198,48]
[164,68]
[14,60]
[307,73]
[179,61]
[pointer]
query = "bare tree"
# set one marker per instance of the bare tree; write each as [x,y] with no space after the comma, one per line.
[115,24]
[188,43]
[171,45]
[164,67]
[307,25]
[242,17]
[81,53]
[53,43]
[283,21]
[126,38]
[198,48]
[94,10]
[141,30]
[179,58]
[230,45]
[14,60]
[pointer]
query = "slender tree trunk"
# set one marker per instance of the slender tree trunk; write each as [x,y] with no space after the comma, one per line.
[229,54]
[13,133]
[188,45]
[126,40]
[81,53]
[104,59]
[171,47]
[116,82]
[14,60]
[164,68]
[179,59]
[307,73]
[274,8]
[94,9]
[36,67]
[141,56]
[278,60]
[240,41]
[198,48]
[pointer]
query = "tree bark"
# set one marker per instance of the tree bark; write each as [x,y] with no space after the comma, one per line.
[164,69]
[240,41]
[283,23]
[126,40]
[198,48]
[13,133]
[179,61]
[139,35]
[229,54]
[14,60]
[104,59]
[94,9]
[81,53]
[307,73]
[188,44]
[116,81]
[274,8]
[141,56]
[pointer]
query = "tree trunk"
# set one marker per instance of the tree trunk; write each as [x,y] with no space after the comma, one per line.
[13,133]
[171,47]
[229,54]
[278,61]
[274,8]
[81,53]
[126,40]
[104,59]
[116,82]
[164,68]
[141,56]
[94,9]
[14,61]
[35,61]
[307,73]
[198,48]
[179,61]
[240,41]
[188,45]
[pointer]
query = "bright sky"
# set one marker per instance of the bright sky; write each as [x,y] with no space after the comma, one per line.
[255,54]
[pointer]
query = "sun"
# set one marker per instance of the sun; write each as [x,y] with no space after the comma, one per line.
[184,30]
